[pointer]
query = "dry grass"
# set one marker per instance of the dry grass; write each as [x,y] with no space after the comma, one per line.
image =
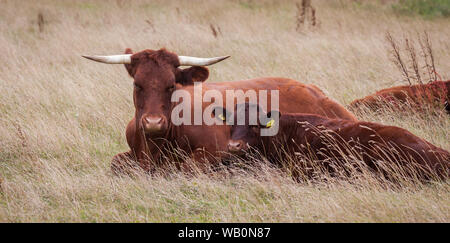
[63,118]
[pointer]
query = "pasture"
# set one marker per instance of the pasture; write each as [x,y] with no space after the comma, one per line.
[62,117]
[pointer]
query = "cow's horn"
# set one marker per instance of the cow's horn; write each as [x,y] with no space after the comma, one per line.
[114,59]
[184,60]
[197,61]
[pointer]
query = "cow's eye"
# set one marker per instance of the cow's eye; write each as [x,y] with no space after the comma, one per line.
[255,129]
[137,87]
[171,88]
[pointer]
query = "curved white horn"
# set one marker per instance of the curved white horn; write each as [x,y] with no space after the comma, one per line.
[197,61]
[114,59]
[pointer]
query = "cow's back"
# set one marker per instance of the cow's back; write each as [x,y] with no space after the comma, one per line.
[391,143]
[295,97]
[375,142]
[419,94]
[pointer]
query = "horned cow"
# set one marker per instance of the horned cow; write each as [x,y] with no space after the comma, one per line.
[157,75]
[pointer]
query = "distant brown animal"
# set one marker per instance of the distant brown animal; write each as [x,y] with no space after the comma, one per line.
[437,92]
[328,138]
[157,75]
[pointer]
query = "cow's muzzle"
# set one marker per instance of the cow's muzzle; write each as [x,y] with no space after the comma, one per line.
[154,125]
[237,146]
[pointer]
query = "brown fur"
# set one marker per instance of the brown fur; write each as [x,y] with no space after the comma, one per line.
[308,133]
[433,93]
[155,72]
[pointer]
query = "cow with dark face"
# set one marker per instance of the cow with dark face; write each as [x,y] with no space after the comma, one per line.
[157,75]
[333,138]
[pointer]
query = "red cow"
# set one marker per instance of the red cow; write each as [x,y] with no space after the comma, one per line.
[328,138]
[157,75]
[437,92]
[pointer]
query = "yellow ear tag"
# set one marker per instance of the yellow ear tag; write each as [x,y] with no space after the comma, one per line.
[270,123]
[222,117]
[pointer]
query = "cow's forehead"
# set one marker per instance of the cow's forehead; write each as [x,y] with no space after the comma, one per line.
[161,57]
[155,65]
[247,107]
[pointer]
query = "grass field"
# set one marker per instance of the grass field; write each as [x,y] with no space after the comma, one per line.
[62,117]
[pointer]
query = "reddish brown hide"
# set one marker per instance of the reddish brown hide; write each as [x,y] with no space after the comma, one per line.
[157,75]
[327,138]
[432,94]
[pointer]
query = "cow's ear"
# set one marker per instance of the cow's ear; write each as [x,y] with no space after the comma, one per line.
[129,67]
[270,118]
[274,114]
[193,74]
[220,113]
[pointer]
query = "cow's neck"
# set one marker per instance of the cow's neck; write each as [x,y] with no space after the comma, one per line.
[157,143]
[292,128]
[148,150]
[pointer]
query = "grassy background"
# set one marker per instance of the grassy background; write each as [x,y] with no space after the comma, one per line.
[426,8]
[62,118]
